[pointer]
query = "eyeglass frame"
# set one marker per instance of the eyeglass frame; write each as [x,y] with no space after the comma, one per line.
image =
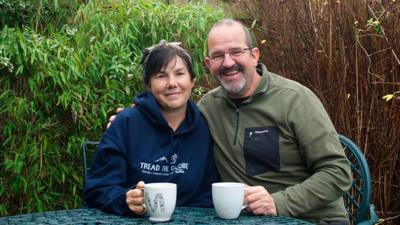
[147,51]
[229,52]
[164,42]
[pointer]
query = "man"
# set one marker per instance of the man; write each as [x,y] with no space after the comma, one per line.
[272,134]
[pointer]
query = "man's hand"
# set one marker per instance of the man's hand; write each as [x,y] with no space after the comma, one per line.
[135,199]
[259,201]
[111,119]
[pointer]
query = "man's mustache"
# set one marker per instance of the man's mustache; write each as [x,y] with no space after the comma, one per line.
[224,70]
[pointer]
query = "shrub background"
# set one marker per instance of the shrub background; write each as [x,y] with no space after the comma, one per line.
[61,77]
[348,53]
[65,66]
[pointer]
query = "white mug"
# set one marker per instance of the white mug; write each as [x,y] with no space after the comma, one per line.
[228,199]
[160,200]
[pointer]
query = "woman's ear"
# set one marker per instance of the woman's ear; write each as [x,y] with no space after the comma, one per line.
[148,87]
[193,82]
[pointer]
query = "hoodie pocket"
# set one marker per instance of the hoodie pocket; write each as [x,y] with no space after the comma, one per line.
[261,150]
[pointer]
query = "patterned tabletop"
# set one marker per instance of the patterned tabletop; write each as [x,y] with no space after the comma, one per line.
[182,215]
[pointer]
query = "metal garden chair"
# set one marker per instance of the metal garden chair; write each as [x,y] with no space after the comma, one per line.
[88,149]
[358,199]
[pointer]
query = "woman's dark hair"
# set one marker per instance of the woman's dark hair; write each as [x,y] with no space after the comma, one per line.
[157,57]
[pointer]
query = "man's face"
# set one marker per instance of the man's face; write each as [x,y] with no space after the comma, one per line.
[231,60]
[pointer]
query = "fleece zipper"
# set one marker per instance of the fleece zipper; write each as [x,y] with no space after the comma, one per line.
[236,126]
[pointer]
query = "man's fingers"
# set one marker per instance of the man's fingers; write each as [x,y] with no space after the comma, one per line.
[264,209]
[110,120]
[259,201]
[255,197]
[119,109]
[253,189]
[254,193]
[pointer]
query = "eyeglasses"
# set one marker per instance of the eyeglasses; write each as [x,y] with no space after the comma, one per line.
[234,53]
[164,42]
[147,51]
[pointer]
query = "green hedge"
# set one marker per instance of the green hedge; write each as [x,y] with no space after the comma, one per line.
[41,15]
[58,88]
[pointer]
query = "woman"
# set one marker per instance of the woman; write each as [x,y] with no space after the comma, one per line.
[163,139]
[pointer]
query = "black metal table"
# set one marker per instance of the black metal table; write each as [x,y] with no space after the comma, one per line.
[181,215]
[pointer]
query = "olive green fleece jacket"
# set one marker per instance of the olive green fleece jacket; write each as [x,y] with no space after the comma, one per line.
[282,139]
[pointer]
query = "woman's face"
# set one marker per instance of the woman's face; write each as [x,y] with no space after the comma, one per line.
[172,86]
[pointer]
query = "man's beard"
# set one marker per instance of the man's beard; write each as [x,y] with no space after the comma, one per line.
[235,86]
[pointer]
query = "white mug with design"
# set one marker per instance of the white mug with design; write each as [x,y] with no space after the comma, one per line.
[160,201]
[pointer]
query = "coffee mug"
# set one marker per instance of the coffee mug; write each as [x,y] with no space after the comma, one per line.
[160,200]
[228,199]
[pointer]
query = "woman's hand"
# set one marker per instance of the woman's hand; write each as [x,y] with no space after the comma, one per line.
[135,199]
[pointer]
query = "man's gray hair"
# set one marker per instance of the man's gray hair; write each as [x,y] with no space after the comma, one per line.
[231,22]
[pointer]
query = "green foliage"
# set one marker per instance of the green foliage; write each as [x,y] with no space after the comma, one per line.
[376,25]
[38,14]
[58,88]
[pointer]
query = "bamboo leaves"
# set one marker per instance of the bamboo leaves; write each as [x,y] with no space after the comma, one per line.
[63,73]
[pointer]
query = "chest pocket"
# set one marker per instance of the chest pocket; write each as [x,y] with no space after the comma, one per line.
[261,150]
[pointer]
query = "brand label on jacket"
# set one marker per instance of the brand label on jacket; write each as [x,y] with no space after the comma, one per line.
[164,166]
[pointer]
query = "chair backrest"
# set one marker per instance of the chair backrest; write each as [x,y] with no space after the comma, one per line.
[88,149]
[357,199]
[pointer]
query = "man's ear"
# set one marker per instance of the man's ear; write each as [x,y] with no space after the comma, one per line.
[207,63]
[255,54]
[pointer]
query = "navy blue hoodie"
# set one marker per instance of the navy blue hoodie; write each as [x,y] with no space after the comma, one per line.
[140,145]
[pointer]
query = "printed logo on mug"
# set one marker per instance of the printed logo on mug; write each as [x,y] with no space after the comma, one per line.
[228,199]
[160,200]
